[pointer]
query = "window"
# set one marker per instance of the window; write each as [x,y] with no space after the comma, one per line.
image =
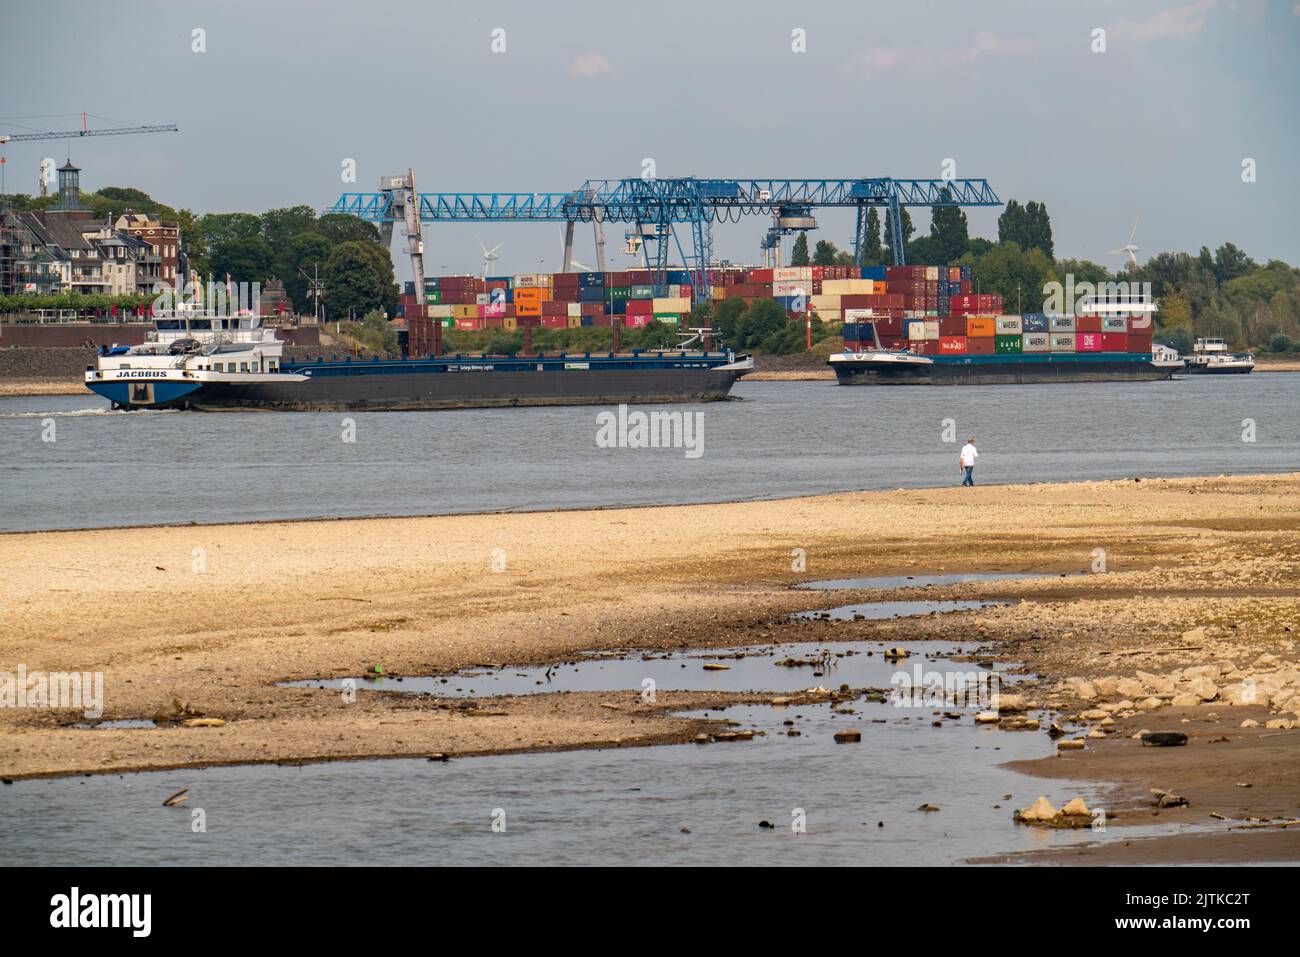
[243,367]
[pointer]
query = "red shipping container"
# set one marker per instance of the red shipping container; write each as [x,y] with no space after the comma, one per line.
[636,321]
[980,345]
[953,326]
[951,345]
[1087,324]
[618,280]
[592,309]
[889,326]
[893,342]
[759,276]
[1114,342]
[640,307]
[1087,342]
[553,308]
[1139,343]
[469,323]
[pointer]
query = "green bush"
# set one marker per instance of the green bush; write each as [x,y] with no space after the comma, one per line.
[1281,342]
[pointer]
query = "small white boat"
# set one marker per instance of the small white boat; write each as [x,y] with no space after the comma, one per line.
[1211,356]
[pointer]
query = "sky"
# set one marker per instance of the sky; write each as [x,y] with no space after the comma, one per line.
[1153,129]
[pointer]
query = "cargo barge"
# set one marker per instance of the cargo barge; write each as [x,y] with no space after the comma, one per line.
[882,367]
[209,363]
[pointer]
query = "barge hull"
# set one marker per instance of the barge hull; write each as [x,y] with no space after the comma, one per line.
[998,371]
[361,392]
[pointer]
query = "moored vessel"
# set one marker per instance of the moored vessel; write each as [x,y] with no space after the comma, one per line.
[1210,356]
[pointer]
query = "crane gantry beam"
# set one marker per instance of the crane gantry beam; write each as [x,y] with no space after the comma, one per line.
[69,134]
[661,203]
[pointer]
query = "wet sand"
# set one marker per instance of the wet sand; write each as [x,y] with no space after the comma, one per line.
[202,621]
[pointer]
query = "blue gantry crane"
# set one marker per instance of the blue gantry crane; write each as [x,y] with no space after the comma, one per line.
[654,207]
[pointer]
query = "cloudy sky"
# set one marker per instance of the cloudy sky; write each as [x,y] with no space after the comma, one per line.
[1157,126]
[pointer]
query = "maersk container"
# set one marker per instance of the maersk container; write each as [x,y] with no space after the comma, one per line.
[1036,342]
[1033,322]
[1062,324]
[1115,324]
[1008,345]
[1009,326]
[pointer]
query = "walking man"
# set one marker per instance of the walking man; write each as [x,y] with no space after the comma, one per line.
[967,460]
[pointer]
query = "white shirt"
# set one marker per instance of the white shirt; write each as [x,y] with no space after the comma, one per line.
[968,455]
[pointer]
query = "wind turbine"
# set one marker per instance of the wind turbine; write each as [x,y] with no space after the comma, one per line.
[489,255]
[1131,248]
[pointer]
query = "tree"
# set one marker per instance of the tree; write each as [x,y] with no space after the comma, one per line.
[194,241]
[1019,276]
[1011,224]
[222,228]
[1174,312]
[279,225]
[825,253]
[359,277]
[340,228]
[799,254]
[244,260]
[907,228]
[875,252]
[300,255]
[949,233]
[1038,229]
[1230,262]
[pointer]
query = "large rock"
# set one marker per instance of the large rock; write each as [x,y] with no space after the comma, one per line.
[1008,702]
[1202,687]
[1040,811]
[1185,700]
[1130,688]
[1157,684]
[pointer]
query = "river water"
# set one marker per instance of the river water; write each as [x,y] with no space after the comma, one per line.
[776,439]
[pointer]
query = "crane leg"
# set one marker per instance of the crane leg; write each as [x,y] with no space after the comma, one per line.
[567,265]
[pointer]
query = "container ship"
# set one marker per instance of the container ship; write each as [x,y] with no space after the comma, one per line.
[214,363]
[966,339]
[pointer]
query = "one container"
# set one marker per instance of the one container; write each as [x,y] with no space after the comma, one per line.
[1033,322]
[1009,326]
[1087,342]
[952,345]
[1062,324]
[1062,341]
[985,327]
[1008,345]
[1114,342]
[1036,342]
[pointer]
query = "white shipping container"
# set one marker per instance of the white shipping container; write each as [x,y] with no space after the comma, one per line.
[1010,325]
[792,274]
[1115,324]
[1062,323]
[575,309]
[932,328]
[439,312]
[672,304]
[482,298]
[1062,341]
[791,288]
[931,273]
[858,315]
[916,330]
[837,287]
[1036,342]
[825,302]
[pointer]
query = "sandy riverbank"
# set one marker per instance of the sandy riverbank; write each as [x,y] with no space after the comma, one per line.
[203,620]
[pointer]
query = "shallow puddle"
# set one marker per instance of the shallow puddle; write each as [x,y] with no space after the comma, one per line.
[920,581]
[119,724]
[882,610]
[779,668]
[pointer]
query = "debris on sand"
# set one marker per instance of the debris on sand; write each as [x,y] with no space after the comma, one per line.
[1168,799]
[204,723]
[1164,739]
[847,736]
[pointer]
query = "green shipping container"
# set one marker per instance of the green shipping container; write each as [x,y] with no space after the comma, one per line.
[617,292]
[671,318]
[643,292]
[1008,344]
[432,298]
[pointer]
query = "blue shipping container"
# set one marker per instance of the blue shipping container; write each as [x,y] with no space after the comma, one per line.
[873,272]
[591,294]
[1033,322]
